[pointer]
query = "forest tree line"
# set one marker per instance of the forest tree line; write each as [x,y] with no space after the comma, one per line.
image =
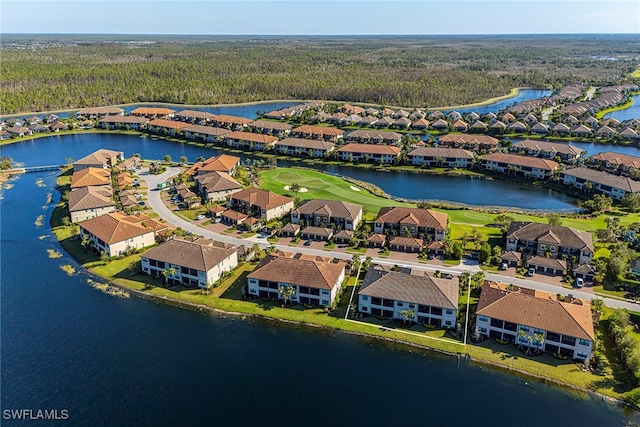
[411,72]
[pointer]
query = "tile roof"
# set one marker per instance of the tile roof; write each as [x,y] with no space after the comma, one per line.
[418,289]
[422,217]
[536,309]
[302,271]
[319,130]
[604,178]
[217,181]
[261,198]
[168,124]
[526,161]
[406,241]
[221,163]
[201,254]
[89,198]
[157,111]
[314,144]
[318,231]
[370,149]
[101,156]
[191,114]
[90,177]
[251,137]
[549,146]
[234,215]
[264,124]
[206,130]
[124,119]
[618,159]
[468,139]
[457,153]
[232,120]
[337,209]
[374,134]
[557,264]
[567,237]
[115,227]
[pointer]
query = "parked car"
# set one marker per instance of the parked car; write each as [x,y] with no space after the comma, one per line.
[532,271]
[307,243]
[579,282]
[504,266]
[199,217]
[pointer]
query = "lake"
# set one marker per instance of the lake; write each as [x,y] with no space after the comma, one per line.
[633,112]
[117,362]
[415,186]
[523,95]
[250,111]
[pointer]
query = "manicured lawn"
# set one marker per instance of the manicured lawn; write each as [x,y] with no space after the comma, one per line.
[324,186]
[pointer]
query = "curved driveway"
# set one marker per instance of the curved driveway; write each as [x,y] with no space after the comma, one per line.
[159,207]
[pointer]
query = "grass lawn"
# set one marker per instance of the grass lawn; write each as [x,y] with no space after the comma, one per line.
[324,186]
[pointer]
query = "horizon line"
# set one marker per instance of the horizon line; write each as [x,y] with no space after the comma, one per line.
[313,35]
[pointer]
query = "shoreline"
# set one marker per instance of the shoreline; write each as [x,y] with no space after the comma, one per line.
[185,305]
[445,204]
[144,290]
[512,94]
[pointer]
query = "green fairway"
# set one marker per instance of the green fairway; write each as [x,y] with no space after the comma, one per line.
[322,186]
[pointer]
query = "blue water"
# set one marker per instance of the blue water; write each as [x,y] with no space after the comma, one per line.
[523,95]
[593,148]
[415,186]
[632,112]
[120,362]
[248,111]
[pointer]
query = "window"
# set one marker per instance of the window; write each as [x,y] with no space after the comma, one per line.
[483,330]
[449,311]
[585,343]
[581,355]
[399,304]
[364,308]
[365,297]
[483,319]
[524,328]
[538,331]
[325,292]
[325,302]
[448,323]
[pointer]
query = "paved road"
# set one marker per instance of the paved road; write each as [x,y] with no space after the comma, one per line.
[158,206]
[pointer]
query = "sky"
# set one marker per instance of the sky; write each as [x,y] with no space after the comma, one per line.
[320,17]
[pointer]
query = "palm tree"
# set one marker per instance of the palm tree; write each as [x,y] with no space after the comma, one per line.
[85,242]
[521,336]
[165,274]
[539,341]
[406,315]
[287,291]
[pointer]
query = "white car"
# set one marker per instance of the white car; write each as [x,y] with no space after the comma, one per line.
[532,271]
[199,217]
[579,282]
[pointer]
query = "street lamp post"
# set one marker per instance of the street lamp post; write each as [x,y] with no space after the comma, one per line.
[466,320]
